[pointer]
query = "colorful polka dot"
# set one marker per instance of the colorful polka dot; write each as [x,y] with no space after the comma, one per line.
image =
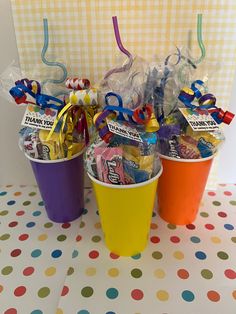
[28,271]
[230,274]
[32,194]
[97,225]
[213,296]
[137,294]
[157,255]
[9,203]
[91,271]
[83,312]
[229,227]
[36,312]
[175,239]
[75,253]
[183,273]
[17,193]
[61,237]
[112,293]
[154,226]
[113,272]
[191,226]
[70,271]
[56,253]
[233,203]
[5,236]
[136,273]
[233,239]
[162,295]
[211,193]
[50,271]
[93,254]
[209,227]
[1,288]
[216,203]
[78,238]
[114,256]
[200,255]
[195,239]
[227,193]
[41,203]
[188,296]
[6,270]
[11,311]
[20,291]
[222,255]
[48,225]
[43,292]
[20,213]
[23,237]
[42,237]
[96,238]
[66,225]
[26,203]
[3,193]
[30,224]
[87,292]
[222,214]
[171,226]
[65,291]
[82,225]
[136,256]
[215,240]
[13,224]
[15,252]
[37,213]
[3,212]
[178,255]
[85,211]
[159,273]
[206,273]
[204,214]
[36,253]
[155,239]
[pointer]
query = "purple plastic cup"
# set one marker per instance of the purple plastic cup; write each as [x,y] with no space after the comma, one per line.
[61,185]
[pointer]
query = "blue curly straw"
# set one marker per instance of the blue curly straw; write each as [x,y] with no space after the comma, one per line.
[51,63]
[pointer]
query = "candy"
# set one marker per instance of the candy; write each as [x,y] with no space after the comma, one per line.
[50,150]
[109,165]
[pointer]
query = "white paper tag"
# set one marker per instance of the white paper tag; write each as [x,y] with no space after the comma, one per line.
[38,118]
[123,130]
[199,121]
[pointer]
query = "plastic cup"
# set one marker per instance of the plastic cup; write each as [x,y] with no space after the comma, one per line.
[125,212]
[181,187]
[61,184]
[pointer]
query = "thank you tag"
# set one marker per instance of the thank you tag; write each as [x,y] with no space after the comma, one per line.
[36,117]
[123,130]
[199,120]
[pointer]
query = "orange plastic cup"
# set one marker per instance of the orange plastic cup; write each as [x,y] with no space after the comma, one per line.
[181,187]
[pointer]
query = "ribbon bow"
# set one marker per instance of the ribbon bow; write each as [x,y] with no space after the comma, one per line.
[33,88]
[205,101]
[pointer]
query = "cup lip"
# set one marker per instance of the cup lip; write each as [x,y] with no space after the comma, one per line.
[126,186]
[186,160]
[54,161]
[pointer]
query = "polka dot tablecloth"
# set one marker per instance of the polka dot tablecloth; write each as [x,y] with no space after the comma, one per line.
[49,268]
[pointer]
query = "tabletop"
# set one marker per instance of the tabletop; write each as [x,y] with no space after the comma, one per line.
[48,268]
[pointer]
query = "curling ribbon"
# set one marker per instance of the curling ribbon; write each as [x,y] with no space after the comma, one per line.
[73,116]
[205,102]
[77,83]
[25,86]
[141,115]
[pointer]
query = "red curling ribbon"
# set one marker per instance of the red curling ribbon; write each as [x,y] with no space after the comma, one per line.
[77,83]
[142,115]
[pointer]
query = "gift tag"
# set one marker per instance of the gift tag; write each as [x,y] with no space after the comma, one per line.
[36,117]
[123,130]
[199,120]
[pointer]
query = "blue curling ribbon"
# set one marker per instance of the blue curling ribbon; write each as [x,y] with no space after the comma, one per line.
[20,90]
[118,108]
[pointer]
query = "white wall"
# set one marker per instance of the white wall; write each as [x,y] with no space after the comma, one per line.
[15,169]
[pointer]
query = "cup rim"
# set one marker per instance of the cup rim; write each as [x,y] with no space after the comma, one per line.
[126,186]
[186,160]
[54,161]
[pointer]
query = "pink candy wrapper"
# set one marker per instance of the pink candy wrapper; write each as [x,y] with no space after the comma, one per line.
[109,165]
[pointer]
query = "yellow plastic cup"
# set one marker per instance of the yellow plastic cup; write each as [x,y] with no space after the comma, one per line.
[126,212]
